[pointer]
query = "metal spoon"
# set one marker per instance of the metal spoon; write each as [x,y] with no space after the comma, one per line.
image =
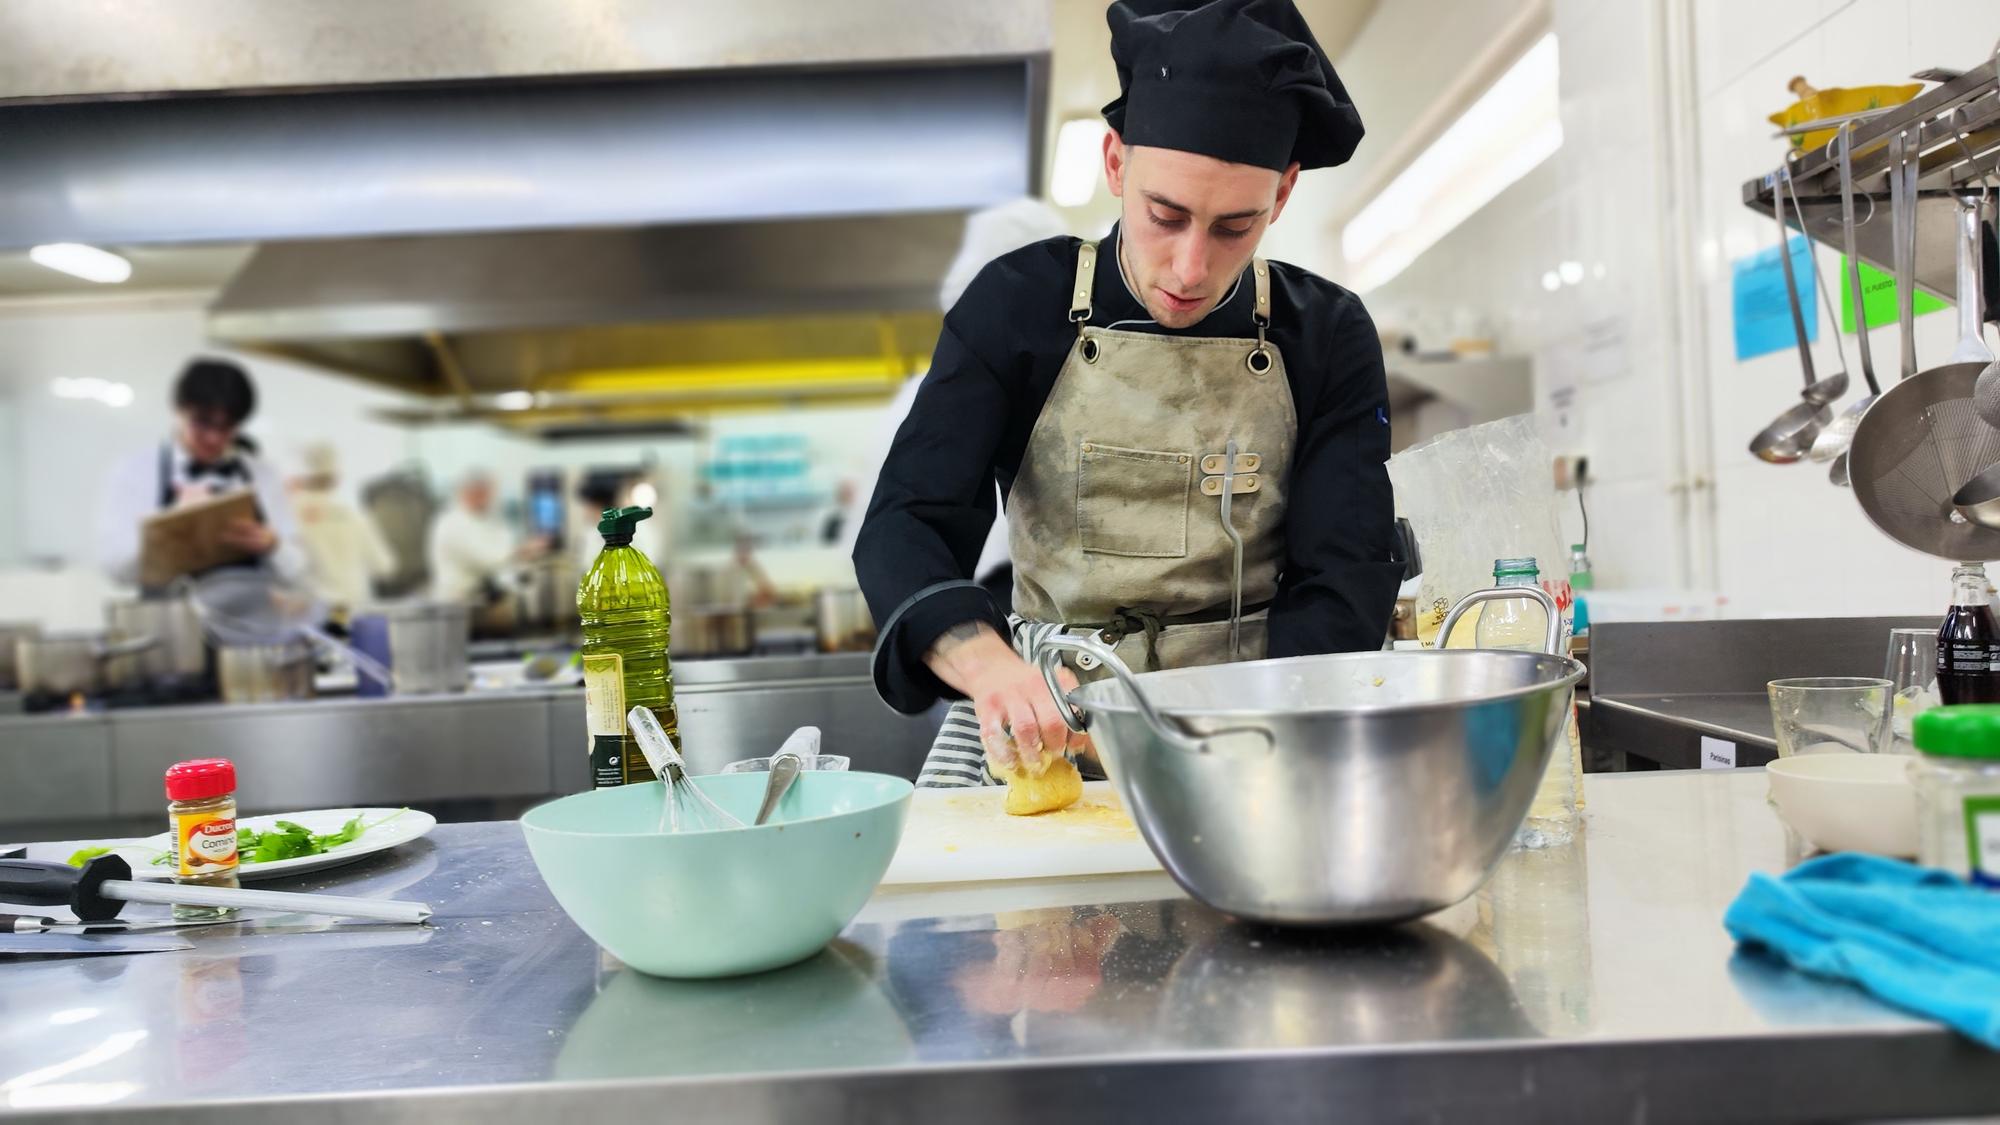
[785,767]
[800,748]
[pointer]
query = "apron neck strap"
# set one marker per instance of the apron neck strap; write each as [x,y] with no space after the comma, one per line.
[1086,278]
[1086,282]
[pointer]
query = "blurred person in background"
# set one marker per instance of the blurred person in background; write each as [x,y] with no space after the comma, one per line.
[474,555]
[344,548]
[833,529]
[989,233]
[205,455]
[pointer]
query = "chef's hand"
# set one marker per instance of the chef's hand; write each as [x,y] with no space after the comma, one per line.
[249,535]
[1018,720]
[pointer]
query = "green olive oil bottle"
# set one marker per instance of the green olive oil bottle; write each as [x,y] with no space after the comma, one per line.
[622,602]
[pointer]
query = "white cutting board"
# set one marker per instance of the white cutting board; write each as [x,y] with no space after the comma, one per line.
[965,835]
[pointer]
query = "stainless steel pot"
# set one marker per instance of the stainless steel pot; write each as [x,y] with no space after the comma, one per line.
[427,647]
[703,631]
[1329,790]
[182,652]
[842,619]
[265,673]
[73,663]
[11,632]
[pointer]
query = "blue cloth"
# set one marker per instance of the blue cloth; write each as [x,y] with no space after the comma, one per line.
[1922,940]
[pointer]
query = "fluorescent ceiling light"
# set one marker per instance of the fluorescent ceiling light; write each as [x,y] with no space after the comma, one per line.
[93,389]
[1079,149]
[514,400]
[1514,126]
[78,260]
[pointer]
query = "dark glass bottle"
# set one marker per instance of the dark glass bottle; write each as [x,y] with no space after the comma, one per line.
[1968,641]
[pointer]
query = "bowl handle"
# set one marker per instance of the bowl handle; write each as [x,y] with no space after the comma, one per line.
[1551,644]
[1049,658]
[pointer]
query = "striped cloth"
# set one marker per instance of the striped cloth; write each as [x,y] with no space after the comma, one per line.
[957,760]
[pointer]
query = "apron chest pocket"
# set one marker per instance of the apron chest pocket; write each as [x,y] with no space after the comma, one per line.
[1132,502]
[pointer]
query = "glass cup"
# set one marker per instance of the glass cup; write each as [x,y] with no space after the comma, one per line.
[826,762]
[1911,669]
[1831,715]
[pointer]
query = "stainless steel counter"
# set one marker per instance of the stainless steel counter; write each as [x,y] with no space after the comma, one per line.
[1592,983]
[1658,688]
[99,774]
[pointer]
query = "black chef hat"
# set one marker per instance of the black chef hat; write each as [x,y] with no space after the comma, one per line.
[1239,80]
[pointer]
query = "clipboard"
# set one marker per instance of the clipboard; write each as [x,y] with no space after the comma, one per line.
[188,539]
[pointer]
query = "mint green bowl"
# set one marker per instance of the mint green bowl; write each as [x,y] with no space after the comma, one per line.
[716,904]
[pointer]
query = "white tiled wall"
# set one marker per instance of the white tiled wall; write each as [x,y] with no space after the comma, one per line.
[1580,206]
[1784,540]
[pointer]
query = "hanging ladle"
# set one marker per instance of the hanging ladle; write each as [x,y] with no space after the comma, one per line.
[1836,437]
[1790,437]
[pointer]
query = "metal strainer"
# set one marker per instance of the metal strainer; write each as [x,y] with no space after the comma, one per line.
[1923,439]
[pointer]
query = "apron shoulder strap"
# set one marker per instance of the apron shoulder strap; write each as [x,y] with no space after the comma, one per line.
[166,477]
[1261,272]
[1086,277]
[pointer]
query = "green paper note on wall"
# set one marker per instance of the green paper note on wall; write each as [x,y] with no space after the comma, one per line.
[1879,290]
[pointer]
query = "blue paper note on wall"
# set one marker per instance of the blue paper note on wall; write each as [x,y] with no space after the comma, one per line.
[1757,294]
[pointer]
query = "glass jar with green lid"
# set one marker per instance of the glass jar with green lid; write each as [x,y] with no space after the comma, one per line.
[1958,790]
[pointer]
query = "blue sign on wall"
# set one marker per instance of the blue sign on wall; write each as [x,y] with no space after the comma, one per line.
[1757,296]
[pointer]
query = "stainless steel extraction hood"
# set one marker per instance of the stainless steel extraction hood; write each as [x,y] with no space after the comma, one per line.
[676,316]
[541,211]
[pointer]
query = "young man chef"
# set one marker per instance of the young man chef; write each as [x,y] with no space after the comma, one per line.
[1106,387]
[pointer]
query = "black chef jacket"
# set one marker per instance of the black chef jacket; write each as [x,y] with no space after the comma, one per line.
[1003,344]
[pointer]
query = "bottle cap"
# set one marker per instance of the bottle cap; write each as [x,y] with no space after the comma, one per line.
[617,523]
[1505,567]
[201,779]
[1964,730]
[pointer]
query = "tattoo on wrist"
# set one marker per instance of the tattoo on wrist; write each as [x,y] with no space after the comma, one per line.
[957,635]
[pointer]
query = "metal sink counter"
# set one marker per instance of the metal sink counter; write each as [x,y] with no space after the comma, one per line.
[1592,983]
[1670,694]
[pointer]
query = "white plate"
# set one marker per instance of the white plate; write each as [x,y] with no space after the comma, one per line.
[407,826]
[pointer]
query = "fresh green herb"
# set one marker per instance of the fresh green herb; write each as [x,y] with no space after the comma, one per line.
[286,840]
[291,840]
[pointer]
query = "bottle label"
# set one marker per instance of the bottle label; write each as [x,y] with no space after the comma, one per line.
[1982,840]
[207,842]
[604,717]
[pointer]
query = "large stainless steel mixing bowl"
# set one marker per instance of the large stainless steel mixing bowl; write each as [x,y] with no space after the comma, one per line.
[1328,790]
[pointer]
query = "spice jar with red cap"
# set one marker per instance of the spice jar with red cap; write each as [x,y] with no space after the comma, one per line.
[201,796]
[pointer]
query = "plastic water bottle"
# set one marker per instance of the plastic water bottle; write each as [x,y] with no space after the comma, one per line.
[1521,624]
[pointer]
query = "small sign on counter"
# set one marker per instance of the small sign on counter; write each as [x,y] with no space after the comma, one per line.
[1717,753]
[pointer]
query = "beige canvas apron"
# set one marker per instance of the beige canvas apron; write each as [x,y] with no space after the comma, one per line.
[1115,521]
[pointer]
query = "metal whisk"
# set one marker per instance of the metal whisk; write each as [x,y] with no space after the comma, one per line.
[685,808]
